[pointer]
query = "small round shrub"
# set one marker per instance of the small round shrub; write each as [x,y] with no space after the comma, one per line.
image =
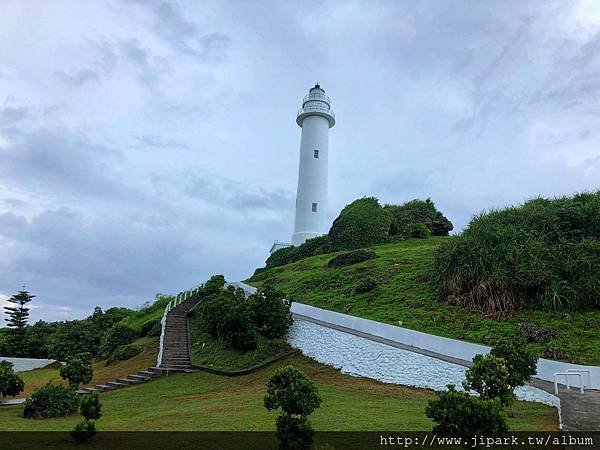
[270,312]
[419,230]
[51,400]
[91,408]
[10,383]
[354,257]
[78,369]
[365,285]
[117,335]
[83,431]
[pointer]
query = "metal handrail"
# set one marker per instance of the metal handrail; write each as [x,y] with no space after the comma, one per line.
[315,109]
[316,97]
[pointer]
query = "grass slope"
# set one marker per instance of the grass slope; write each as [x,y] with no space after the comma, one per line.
[405,294]
[209,352]
[206,402]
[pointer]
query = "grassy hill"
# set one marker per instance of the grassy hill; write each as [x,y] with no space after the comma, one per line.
[404,295]
[206,402]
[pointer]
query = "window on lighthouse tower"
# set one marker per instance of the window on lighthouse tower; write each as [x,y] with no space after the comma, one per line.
[316,154]
[314,207]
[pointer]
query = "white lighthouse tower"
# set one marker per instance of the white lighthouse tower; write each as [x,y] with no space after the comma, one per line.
[315,118]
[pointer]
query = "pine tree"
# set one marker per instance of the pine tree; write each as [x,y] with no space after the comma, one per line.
[17,321]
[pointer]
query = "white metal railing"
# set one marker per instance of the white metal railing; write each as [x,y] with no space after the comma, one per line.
[316,98]
[567,374]
[320,109]
[180,298]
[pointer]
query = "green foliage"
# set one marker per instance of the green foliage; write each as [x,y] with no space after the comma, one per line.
[545,253]
[123,353]
[520,362]
[17,322]
[354,257]
[73,337]
[360,224]
[293,392]
[419,230]
[459,414]
[408,218]
[83,431]
[36,337]
[10,383]
[226,316]
[365,285]
[78,369]
[4,349]
[117,335]
[51,400]
[214,285]
[91,408]
[270,312]
[488,376]
[294,433]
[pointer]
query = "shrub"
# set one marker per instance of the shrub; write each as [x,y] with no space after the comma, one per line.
[91,408]
[419,230]
[297,396]
[354,257]
[360,224]
[226,316]
[83,431]
[123,353]
[535,333]
[214,285]
[117,335]
[488,376]
[281,257]
[151,328]
[51,400]
[459,414]
[418,212]
[270,312]
[78,369]
[545,253]
[365,285]
[10,383]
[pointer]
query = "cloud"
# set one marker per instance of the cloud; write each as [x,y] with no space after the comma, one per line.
[77,78]
[153,140]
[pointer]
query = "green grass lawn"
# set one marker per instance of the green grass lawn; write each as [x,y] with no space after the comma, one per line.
[209,352]
[206,402]
[405,294]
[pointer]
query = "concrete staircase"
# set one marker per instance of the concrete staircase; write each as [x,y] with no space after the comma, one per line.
[175,355]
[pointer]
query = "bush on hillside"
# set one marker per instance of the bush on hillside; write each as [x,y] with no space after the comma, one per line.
[354,257]
[365,285]
[78,369]
[405,217]
[418,230]
[488,376]
[270,312]
[51,400]
[362,223]
[544,253]
[458,414]
[117,335]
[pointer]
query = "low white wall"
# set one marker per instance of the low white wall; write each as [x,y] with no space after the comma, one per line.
[437,344]
[23,364]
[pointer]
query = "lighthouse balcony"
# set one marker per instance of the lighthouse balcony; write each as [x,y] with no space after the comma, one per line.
[315,110]
[316,97]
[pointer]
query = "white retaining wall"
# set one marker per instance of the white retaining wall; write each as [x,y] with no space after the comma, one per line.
[23,364]
[444,346]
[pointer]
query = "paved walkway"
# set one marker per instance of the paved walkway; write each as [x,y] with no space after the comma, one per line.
[579,412]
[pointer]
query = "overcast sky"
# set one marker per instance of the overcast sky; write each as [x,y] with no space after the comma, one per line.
[145,145]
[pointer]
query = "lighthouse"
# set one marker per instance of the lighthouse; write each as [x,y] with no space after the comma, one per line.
[315,118]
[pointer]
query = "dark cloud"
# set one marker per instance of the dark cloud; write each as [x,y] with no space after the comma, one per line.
[153,140]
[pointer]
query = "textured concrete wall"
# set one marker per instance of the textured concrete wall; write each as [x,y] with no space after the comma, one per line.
[444,346]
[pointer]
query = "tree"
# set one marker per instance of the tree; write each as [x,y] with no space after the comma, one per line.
[37,336]
[520,362]
[116,336]
[488,376]
[459,414]
[17,321]
[297,396]
[10,383]
[270,312]
[91,409]
[78,369]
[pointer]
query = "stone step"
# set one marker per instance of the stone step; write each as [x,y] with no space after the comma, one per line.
[84,390]
[116,384]
[128,381]
[138,377]
[103,387]
[147,373]
[177,366]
